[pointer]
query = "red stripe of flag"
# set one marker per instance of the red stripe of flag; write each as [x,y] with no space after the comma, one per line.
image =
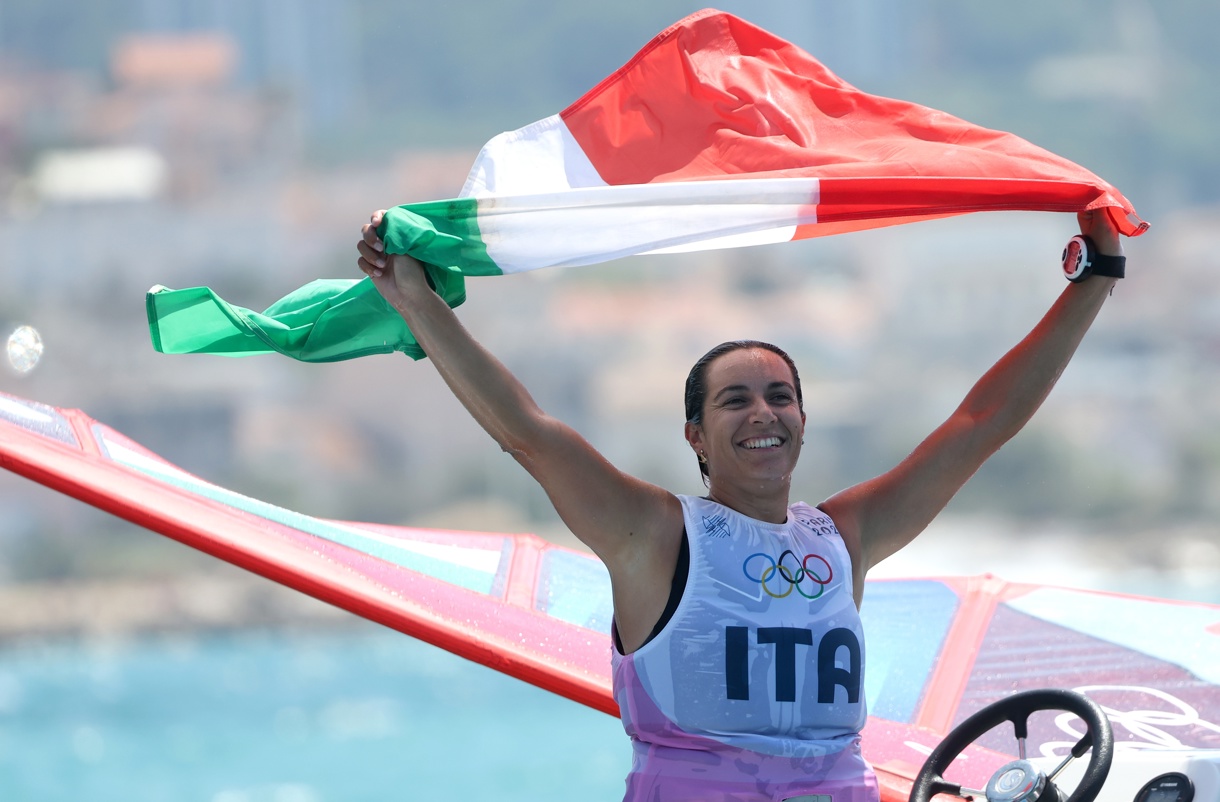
[716,97]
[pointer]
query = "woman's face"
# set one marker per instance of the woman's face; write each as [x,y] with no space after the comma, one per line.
[752,423]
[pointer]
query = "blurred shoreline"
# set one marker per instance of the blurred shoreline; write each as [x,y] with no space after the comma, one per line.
[113,608]
[1187,568]
[1178,562]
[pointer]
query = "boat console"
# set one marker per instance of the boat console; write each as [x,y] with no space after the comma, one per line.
[1153,775]
[1092,765]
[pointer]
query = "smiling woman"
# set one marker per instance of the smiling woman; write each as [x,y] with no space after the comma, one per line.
[743,401]
[739,648]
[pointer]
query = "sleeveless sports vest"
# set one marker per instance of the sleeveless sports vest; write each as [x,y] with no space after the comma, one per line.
[754,689]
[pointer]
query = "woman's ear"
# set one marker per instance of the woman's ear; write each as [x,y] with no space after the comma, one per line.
[694,436]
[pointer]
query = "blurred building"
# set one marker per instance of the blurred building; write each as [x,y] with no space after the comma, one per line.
[173,98]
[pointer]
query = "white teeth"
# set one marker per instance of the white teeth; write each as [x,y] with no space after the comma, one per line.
[763,442]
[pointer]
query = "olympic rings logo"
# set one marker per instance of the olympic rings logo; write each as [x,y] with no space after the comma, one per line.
[790,571]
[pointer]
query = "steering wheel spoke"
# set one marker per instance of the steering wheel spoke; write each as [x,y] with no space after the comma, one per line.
[943,786]
[1020,780]
[1063,764]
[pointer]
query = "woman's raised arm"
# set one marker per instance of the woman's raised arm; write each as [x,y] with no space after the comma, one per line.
[880,516]
[635,527]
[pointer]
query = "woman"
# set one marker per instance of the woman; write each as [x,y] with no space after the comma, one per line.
[738,656]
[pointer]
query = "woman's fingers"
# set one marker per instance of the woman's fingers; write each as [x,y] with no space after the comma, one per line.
[372,249]
[368,234]
[369,230]
[1098,226]
[372,262]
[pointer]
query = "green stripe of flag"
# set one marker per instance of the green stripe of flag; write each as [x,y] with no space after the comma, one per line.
[330,319]
[447,231]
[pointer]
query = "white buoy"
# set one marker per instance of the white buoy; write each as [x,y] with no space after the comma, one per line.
[24,349]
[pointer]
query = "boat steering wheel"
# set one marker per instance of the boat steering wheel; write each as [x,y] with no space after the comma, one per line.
[1020,780]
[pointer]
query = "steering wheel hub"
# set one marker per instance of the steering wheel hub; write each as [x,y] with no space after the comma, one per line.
[1018,781]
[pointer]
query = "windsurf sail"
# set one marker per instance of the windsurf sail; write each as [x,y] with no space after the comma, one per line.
[514,602]
[938,648]
[716,134]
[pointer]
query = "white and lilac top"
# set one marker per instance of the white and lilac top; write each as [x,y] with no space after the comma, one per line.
[754,689]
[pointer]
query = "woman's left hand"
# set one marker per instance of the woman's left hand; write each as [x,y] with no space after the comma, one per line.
[1097,226]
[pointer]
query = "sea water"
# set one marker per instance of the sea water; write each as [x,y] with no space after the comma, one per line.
[361,714]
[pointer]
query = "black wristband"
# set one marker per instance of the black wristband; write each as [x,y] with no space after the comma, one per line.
[1081,260]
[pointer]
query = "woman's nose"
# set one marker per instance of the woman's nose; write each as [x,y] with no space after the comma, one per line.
[761,412]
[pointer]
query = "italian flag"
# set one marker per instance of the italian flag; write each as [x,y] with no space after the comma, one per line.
[716,134]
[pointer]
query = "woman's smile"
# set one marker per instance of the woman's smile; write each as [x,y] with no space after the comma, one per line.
[762,442]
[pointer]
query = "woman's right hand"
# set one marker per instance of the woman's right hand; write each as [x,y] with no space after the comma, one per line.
[372,250]
[396,276]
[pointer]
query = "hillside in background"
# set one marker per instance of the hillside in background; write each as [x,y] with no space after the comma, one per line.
[1124,88]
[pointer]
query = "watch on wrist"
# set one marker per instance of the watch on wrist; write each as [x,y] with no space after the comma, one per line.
[1081,260]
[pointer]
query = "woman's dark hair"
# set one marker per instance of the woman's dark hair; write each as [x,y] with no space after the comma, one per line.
[696,380]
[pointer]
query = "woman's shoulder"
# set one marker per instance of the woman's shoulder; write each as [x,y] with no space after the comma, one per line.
[807,510]
[814,518]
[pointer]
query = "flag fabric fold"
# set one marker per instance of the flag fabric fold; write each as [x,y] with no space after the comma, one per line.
[327,320]
[717,134]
